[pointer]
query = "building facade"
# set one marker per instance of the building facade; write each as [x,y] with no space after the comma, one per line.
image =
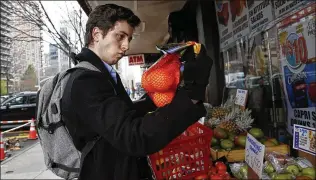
[5,45]
[26,48]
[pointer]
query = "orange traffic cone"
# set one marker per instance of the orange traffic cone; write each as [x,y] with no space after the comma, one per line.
[32,134]
[2,153]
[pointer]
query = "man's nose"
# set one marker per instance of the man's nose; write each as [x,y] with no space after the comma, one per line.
[125,45]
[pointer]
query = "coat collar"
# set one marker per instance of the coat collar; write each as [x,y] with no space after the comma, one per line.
[88,55]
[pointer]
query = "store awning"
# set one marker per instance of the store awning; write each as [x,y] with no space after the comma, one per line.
[154,17]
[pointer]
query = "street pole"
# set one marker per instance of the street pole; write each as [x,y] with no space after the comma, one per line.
[59,61]
[38,75]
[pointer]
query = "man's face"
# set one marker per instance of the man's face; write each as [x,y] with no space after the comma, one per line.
[115,43]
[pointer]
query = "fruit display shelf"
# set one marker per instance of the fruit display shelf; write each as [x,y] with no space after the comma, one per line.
[239,155]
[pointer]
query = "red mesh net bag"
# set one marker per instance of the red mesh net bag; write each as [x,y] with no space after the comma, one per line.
[161,80]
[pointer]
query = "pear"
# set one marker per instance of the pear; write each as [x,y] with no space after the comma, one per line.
[283,176]
[293,169]
[269,168]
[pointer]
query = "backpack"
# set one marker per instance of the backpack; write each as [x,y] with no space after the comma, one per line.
[60,153]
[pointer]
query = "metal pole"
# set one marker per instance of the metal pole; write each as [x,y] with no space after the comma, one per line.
[59,61]
[38,75]
[274,120]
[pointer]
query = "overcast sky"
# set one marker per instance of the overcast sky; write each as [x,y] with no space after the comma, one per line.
[57,11]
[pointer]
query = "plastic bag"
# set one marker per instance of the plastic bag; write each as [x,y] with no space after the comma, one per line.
[239,170]
[303,163]
[279,160]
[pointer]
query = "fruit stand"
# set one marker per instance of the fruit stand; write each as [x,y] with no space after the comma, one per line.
[230,125]
[268,50]
[247,140]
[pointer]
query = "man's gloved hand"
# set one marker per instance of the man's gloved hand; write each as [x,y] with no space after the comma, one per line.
[196,72]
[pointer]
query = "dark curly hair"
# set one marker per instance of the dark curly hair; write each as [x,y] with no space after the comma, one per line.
[105,16]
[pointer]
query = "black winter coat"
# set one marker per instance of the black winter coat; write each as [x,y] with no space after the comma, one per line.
[127,131]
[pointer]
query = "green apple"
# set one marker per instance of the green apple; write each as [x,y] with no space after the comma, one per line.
[214,141]
[310,172]
[269,168]
[293,169]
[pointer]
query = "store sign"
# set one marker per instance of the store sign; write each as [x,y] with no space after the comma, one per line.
[304,139]
[241,97]
[224,21]
[297,54]
[239,13]
[282,7]
[136,59]
[260,14]
[254,154]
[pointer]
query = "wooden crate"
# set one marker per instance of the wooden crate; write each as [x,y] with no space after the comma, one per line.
[239,155]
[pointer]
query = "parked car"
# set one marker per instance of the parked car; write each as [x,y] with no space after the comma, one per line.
[3,98]
[20,106]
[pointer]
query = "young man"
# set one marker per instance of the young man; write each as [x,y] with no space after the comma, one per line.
[98,105]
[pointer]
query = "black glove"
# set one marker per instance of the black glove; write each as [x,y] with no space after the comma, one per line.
[196,72]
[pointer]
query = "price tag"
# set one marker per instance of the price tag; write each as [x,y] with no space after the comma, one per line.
[241,97]
[304,139]
[254,154]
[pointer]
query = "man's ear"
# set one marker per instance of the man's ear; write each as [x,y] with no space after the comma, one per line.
[96,34]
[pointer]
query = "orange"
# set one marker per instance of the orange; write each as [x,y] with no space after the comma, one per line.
[162,79]
[162,99]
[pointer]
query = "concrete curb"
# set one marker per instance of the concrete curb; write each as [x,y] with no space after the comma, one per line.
[20,153]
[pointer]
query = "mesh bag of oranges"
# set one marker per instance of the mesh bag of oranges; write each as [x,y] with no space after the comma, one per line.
[161,80]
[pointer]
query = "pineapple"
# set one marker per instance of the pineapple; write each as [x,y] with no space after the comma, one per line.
[218,112]
[237,120]
[229,126]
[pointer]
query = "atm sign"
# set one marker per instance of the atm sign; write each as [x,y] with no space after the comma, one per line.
[136,59]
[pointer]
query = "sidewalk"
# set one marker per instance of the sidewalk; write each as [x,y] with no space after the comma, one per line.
[29,164]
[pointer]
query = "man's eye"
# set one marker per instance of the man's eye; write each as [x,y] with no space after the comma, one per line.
[120,37]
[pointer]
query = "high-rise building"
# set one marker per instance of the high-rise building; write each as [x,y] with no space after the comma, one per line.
[5,43]
[27,45]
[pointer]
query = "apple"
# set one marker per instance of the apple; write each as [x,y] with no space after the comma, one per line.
[216,177]
[227,144]
[225,176]
[310,172]
[241,140]
[220,133]
[214,141]
[256,132]
[212,171]
[269,168]
[201,177]
[220,166]
[231,136]
[293,169]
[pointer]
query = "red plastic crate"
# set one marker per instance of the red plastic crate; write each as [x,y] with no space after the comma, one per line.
[185,157]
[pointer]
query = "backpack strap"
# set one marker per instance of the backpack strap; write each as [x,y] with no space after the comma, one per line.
[87,148]
[87,65]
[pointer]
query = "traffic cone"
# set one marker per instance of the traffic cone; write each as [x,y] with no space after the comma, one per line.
[2,153]
[32,134]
